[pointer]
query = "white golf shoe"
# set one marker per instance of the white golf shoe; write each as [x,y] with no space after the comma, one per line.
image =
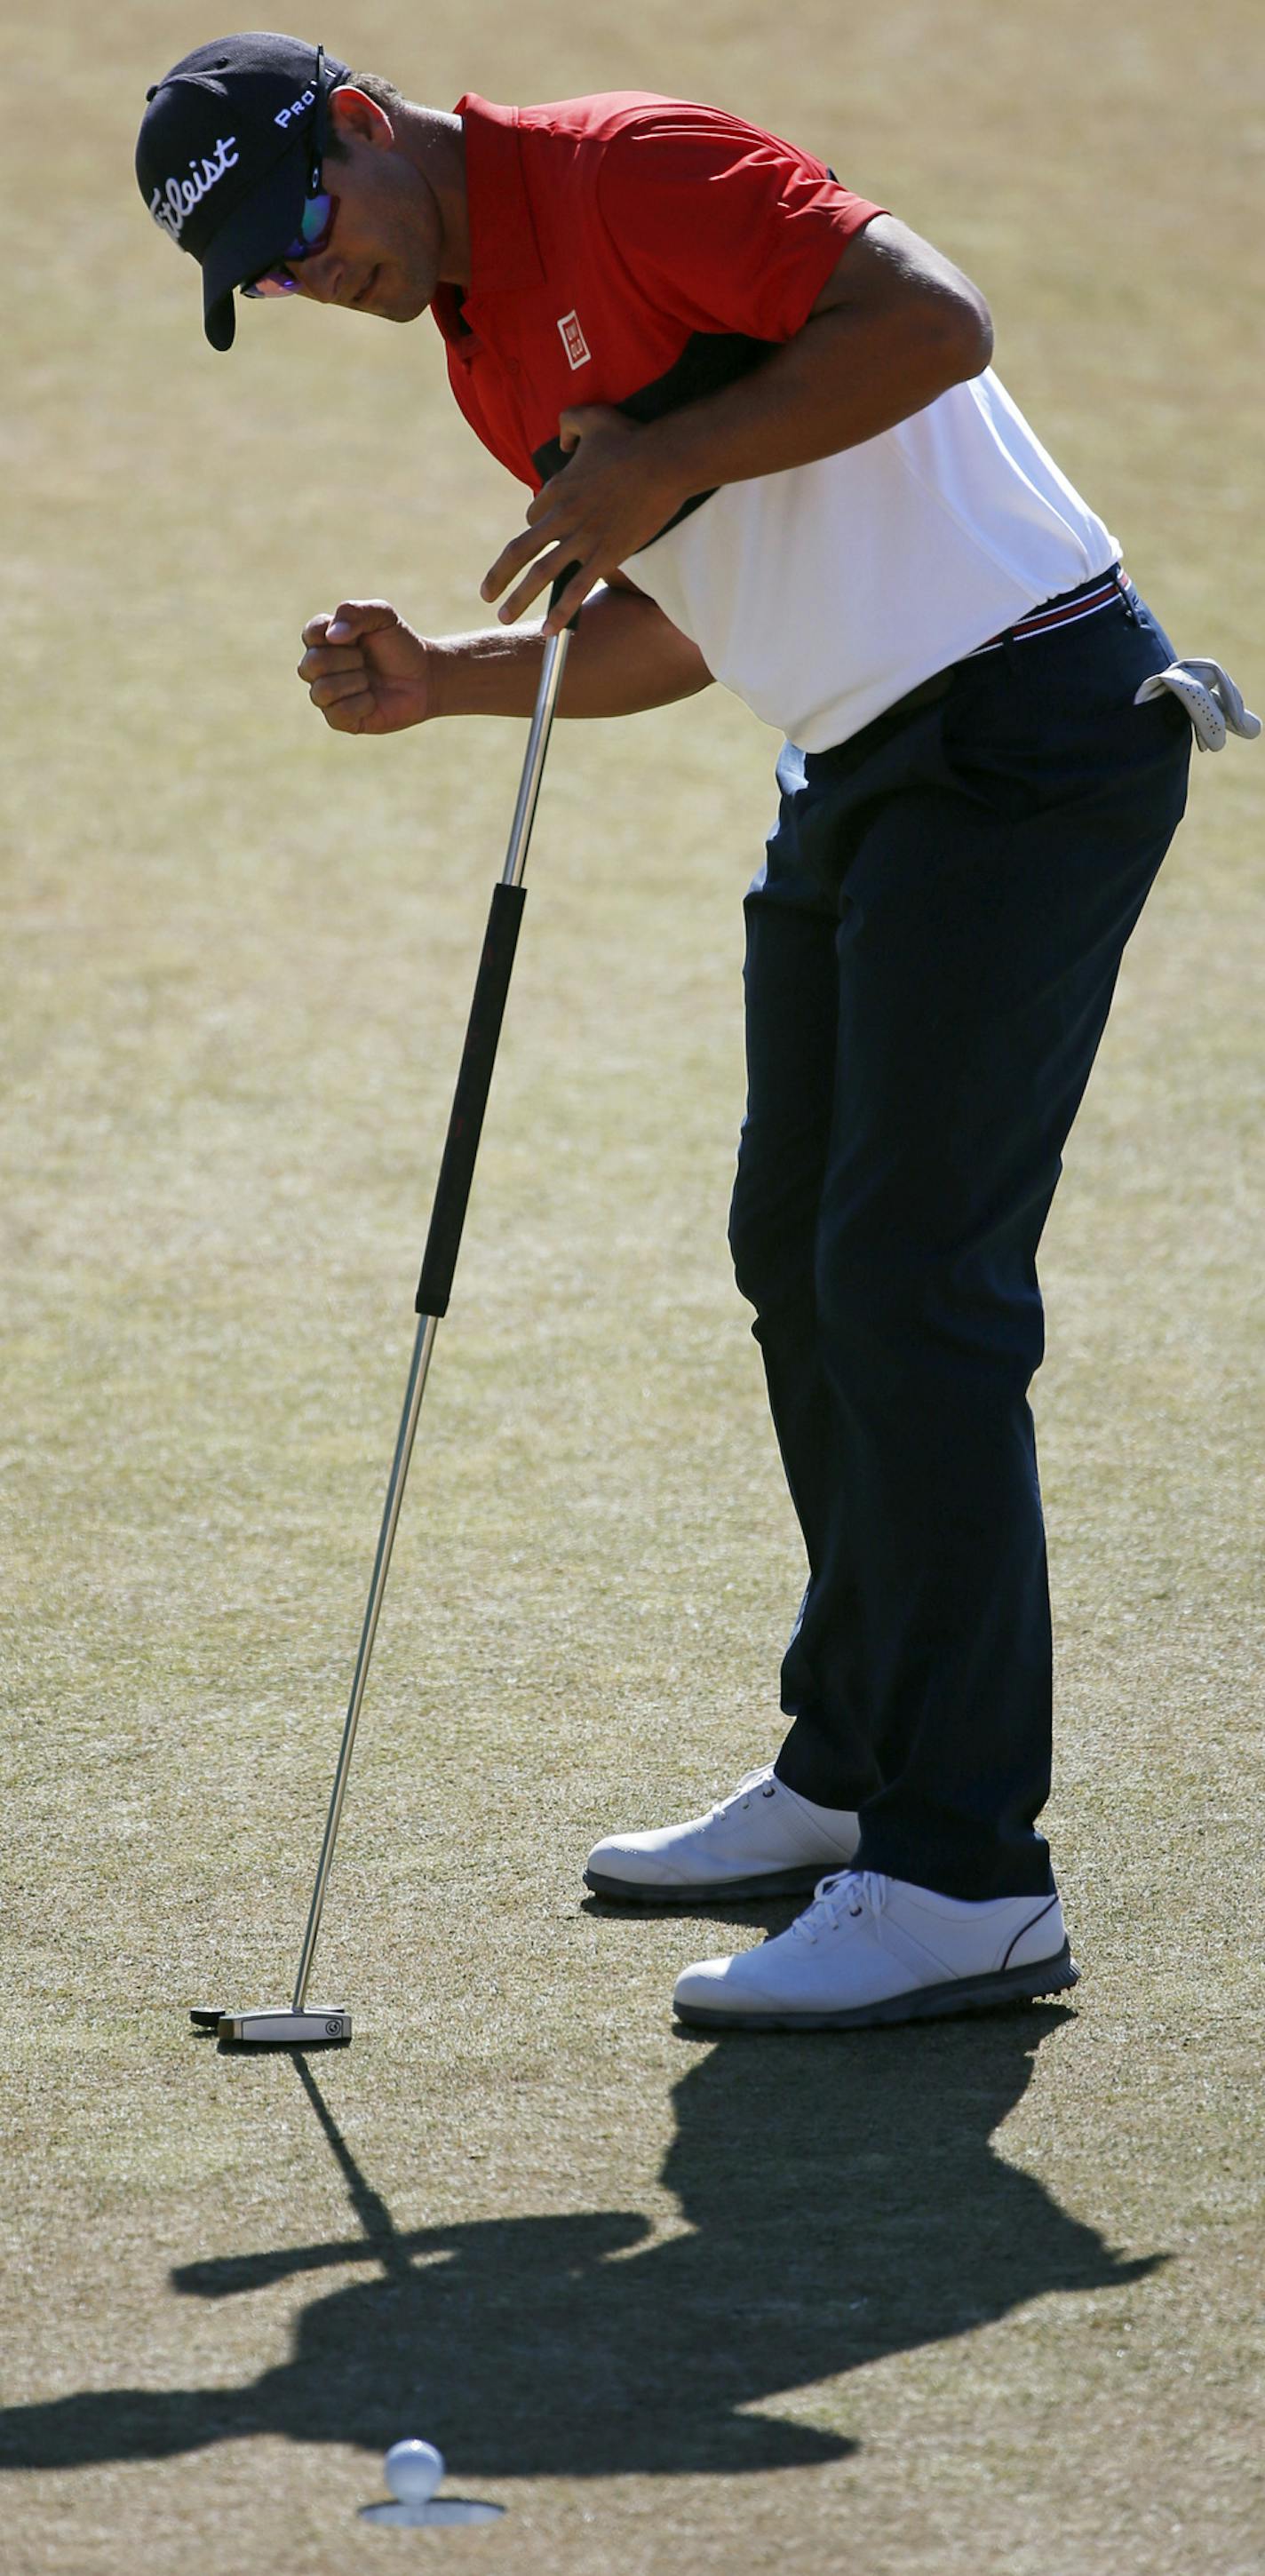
[763,1840]
[876,1949]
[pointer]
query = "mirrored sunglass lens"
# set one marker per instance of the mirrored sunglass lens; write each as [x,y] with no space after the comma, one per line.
[317,223]
[275,281]
[318,215]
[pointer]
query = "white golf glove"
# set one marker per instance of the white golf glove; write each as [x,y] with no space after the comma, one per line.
[1210,698]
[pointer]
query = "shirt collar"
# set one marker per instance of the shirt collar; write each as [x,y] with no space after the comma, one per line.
[503,252]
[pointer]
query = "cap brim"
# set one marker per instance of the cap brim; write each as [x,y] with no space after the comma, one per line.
[254,238]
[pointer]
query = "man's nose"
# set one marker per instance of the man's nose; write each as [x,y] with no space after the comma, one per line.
[322,278]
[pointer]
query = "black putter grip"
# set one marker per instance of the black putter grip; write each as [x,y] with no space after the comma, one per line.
[556,590]
[470,1099]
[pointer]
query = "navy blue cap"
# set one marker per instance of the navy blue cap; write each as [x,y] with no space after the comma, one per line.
[226,157]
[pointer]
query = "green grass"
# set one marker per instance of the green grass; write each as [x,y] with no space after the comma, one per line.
[975,2301]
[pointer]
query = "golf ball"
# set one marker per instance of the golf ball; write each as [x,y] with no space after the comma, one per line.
[413,2471]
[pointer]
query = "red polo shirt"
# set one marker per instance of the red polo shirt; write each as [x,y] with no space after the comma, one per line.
[616,239]
[638,250]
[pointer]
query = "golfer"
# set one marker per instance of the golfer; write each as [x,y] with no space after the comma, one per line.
[756,416]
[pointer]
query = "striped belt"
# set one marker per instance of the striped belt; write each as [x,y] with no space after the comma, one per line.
[1092,596]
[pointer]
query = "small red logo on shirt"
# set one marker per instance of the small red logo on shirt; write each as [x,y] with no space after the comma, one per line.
[573,341]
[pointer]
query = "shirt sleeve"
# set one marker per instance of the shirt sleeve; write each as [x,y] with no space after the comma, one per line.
[720,225]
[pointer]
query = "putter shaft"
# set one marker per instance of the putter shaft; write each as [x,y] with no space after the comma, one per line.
[427,1327]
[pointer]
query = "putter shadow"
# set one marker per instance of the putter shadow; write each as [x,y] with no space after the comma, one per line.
[843,2203]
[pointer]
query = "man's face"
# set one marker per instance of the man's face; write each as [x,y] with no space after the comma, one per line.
[385,243]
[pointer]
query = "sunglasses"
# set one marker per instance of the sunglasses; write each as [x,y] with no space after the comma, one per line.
[315,228]
[317,220]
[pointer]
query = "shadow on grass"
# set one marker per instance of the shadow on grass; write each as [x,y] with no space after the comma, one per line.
[842,2201]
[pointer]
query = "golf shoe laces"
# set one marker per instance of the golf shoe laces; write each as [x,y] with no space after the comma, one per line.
[848,1891]
[743,1794]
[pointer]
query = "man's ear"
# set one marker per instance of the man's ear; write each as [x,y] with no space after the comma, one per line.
[354,116]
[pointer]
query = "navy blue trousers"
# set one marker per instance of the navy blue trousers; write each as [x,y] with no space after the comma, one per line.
[932,948]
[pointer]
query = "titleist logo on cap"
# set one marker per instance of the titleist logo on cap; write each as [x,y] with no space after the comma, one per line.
[175,200]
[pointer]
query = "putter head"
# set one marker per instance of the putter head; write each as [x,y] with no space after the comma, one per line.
[324,2026]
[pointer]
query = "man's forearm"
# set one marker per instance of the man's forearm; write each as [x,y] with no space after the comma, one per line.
[895,325]
[625,656]
[844,378]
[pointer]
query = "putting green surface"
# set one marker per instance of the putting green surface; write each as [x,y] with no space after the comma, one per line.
[981,2299]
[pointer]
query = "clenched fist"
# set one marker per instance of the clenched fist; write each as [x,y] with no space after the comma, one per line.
[366,670]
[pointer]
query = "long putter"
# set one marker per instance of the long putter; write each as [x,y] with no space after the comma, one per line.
[303,2024]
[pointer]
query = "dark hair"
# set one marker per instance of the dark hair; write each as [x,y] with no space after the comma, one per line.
[384,95]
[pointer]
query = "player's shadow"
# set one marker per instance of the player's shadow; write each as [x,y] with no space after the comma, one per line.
[842,2201]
